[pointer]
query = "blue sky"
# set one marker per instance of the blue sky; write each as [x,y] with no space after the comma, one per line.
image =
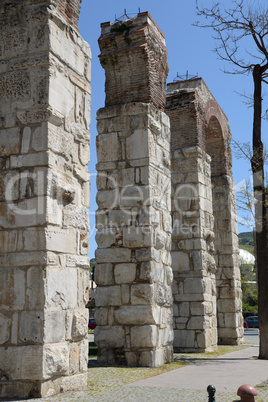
[189,48]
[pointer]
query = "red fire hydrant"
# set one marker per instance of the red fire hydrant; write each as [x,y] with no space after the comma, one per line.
[247,393]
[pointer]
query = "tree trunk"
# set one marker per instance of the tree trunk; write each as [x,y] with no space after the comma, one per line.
[261,227]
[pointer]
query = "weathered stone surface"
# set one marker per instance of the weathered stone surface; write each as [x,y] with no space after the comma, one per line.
[5,326]
[31,327]
[80,324]
[133,199]
[56,359]
[12,296]
[110,337]
[54,326]
[124,273]
[61,288]
[138,315]
[142,294]
[104,274]
[143,336]
[44,196]
[108,296]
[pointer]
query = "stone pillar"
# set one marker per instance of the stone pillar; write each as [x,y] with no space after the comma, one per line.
[133,273]
[197,121]
[229,293]
[193,264]
[44,196]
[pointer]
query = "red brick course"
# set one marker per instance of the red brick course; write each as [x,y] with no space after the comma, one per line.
[134,56]
[196,119]
[69,11]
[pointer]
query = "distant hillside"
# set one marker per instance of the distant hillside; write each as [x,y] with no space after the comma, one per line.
[246,241]
[92,263]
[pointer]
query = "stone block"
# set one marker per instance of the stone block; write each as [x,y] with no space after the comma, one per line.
[165,336]
[160,239]
[34,239]
[147,359]
[109,337]
[163,295]
[119,218]
[226,260]
[15,85]
[114,255]
[83,355]
[55,360]
[198,309]
[108,147]
[80,323]
[137,145]
[5,329]
[29,160]
[61,288]
[194,285]
[184,310]
[74,358]
[138,315]
[184,339]
[76,382]
[180,261]
[108,199]
[144,336]
[39,141]
[18,362]
[231,320]
[204,340]
[108,296]
[142,294]
[143,254]
[104,274]
[105,238]
[227,306]
[196,323]
[9,186]
[61,240]
[54,326]
[149,216]
[134,237]
[76,217]
[231,333]
[125,294]
[12,289]
[135,196]
[31,327]
[86,194]
[101,316]
[124,273]
[147,271]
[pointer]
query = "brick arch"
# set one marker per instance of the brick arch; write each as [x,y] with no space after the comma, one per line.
[217,139]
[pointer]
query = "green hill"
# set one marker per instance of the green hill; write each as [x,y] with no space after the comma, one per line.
[246,241]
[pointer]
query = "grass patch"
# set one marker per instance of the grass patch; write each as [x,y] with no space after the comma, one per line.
[103,378]
[263,386]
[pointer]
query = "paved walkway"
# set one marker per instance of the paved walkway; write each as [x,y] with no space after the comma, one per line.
[189,383]
[225,372]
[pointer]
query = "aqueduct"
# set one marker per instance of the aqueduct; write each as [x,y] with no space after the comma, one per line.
[167,259]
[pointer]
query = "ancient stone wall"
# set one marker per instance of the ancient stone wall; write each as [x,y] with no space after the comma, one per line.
[44,196]
[133,272]
[197,120]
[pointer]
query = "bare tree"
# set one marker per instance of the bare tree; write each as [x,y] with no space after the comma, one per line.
[241,33]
